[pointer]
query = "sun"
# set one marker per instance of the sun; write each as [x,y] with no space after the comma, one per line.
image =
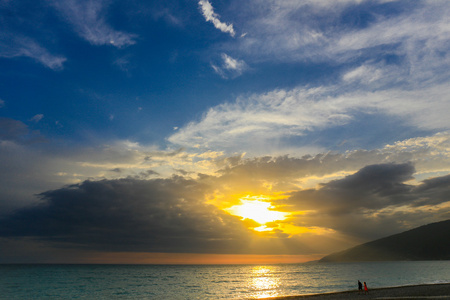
[259,211]
[256,210]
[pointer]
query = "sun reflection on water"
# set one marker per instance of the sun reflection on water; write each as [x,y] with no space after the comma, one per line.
[263,282]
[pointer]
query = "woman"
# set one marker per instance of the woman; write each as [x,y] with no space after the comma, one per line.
[366,290]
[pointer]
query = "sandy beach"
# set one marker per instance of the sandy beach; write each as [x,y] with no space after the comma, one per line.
[425,291]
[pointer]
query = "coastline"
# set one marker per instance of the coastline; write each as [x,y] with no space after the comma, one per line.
[420,291]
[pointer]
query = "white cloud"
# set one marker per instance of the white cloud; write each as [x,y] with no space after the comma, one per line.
[211,16]
[364,73]
[230,67]
[88,20]
[259,120]
[233,64]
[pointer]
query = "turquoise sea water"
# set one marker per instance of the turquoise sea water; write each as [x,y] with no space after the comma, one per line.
[206,281]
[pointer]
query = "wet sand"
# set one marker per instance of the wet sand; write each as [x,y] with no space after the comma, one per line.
[416,292]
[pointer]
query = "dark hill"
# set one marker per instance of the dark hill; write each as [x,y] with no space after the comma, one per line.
[428,242]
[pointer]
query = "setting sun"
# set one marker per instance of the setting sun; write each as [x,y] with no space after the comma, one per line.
[259,211]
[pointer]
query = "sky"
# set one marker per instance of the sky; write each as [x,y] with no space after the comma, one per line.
[214,131]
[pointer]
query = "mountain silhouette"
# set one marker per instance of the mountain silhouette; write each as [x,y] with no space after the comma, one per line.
[428,242]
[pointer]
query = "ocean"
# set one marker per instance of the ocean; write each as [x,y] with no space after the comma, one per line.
[208,281]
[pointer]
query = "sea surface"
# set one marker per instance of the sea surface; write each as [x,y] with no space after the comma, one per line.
[208,281]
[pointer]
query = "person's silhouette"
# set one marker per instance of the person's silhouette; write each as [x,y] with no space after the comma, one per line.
[366,290]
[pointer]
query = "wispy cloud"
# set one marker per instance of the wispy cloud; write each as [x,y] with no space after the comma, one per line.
[230,67]
[88,20]
[16,45]
[123,63]
[289,31]
[37,118]
[211,16]
[288,113]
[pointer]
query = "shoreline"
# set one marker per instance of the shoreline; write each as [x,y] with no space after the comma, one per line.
[419,291]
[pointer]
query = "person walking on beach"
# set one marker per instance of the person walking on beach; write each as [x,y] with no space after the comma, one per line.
[366,290]
[359,287]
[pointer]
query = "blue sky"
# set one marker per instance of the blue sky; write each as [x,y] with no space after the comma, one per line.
[266,99]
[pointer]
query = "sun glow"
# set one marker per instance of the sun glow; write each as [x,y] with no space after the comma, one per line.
[259,211]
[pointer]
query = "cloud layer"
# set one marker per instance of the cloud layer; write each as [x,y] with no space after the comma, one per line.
[130,215]
[170,215]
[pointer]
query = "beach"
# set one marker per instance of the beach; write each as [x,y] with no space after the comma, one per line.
[423,291]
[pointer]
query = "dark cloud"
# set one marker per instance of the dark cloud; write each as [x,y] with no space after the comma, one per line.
[145,174]
[159,215]
[12,130]
[18,132]
[183,172]
[366,204]
[23,167]
[163,215]
[433,191]
[373,187]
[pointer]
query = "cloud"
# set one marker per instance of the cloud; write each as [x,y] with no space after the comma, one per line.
[281,29]
[36,167]
[338,199]
[259,120]
[17,45]
[377,198]
[277,174]
[406,47]
[22,34]
[17,132]
[123,63]
[230,67]
[172,214]
[392,67]
[30,166]
[160,215]
[2,103]
[12,130]
[372,187]
[365,74]
[37,118]
[88,20]
[128,215]
[211,16]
